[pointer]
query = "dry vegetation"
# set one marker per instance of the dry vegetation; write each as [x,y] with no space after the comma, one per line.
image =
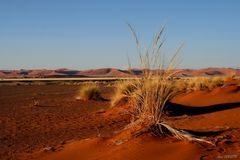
[123,89]
[154,89]
[150,94]
[129,89]
[89,91]
[199,83]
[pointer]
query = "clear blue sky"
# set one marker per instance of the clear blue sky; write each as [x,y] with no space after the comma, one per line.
[84,34]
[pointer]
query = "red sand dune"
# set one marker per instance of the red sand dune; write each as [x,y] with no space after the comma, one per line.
[208,72]
[110,72]
[145,146]
[227,94]
[2,74]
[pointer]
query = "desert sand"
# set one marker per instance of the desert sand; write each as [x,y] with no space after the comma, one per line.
[48,122]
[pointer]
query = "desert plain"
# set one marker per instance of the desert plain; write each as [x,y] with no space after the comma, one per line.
[48,120]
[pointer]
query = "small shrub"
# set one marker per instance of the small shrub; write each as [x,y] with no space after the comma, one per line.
[217,81]
[197,83]
[201,83]
[181,85]
[90,91]
[154,90]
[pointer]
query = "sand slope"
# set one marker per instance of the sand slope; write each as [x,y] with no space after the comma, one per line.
[221,127]
[144,147]
[61,127]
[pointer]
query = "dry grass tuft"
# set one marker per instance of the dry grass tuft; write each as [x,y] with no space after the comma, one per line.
[89,91]
[124,89]
[203,83]
[154,89]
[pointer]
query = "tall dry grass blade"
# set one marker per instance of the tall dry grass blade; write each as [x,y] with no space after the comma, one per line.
[135,37]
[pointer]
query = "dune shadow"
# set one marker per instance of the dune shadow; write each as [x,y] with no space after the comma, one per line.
[174,109]
[204,133]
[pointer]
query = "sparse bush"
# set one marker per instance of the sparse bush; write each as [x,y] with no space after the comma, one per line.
[216,82]
[154,90]
[201,83]
[90,91]
[151,98]
[197,83]
[181,85]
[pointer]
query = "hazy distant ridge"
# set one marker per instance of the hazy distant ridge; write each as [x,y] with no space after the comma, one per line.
[111,72]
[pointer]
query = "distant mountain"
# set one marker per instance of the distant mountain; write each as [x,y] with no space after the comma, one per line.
[111,72]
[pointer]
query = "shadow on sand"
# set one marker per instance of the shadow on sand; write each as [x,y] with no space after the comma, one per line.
[173,109]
